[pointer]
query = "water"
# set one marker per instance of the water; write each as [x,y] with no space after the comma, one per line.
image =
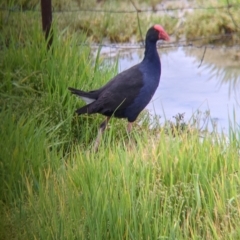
[188,87]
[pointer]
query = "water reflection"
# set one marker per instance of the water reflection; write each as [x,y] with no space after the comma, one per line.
[187,88]
[223,64]
[227,78]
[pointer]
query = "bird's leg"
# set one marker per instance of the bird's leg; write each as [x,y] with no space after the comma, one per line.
[129,127]
[131,142]
[100,132]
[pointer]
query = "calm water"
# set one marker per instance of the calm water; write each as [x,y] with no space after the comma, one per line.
[187,88]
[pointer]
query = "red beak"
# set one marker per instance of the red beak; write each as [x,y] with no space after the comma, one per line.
[162,33]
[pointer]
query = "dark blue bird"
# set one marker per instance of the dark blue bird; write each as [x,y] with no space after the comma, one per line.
[128,93]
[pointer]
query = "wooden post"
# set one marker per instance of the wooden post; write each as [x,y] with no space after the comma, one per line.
[46,6]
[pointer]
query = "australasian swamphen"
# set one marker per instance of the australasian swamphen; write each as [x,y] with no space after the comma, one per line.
[128,93]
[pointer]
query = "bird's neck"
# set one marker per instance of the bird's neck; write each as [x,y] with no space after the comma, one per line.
[151,53]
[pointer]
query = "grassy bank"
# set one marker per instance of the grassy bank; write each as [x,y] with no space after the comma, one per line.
[153,184]
[119,21]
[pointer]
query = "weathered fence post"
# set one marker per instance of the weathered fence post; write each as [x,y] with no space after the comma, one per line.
[46,6]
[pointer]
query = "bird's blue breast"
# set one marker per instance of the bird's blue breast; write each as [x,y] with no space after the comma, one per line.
[151,76]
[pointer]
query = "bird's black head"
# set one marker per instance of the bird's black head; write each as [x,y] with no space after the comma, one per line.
[156,33]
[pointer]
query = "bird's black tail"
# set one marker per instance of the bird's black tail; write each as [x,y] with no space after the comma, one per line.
[82,110]
[88,97]
[78,92]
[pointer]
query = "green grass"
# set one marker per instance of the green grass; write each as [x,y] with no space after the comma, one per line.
[153,184]
[218,25]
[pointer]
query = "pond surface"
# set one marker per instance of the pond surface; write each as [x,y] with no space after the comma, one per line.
[189,86]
